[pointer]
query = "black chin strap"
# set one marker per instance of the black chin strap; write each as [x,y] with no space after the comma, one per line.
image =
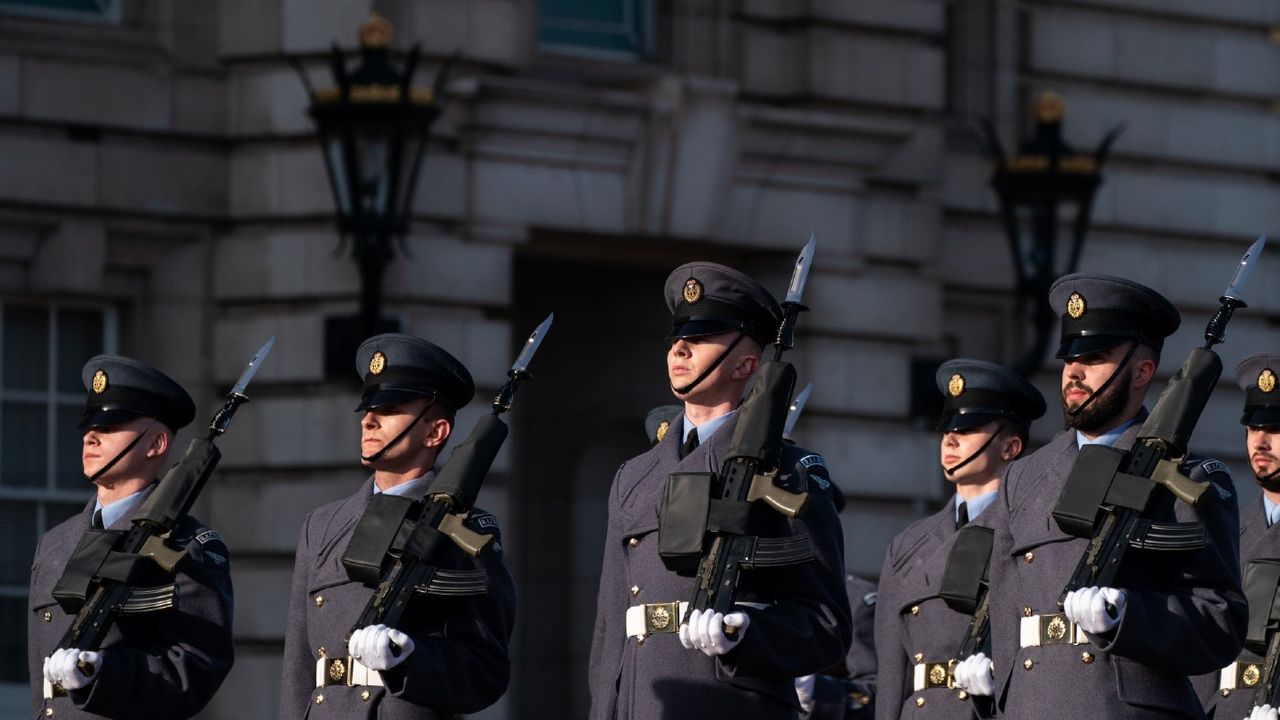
[374,457]
[951,470]
[94,477]
[1268,481]
[1097,393]
[712,367]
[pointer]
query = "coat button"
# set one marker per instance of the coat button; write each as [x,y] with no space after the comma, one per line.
[48,616]
[319,699]
[1026,612]
[915,609]
[1028,556]
[635,589]
[633,541]
[919,702]
[1086,657]
[320,651]
[48,712]
[962,695]
[364,695]
[1226,692]
[1027,664]
[919,657]
[319,600]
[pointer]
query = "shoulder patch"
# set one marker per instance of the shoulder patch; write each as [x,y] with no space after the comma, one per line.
[812,459]
[1223,493]
[1213,466]
[870,598]
[208,535]
[485,521]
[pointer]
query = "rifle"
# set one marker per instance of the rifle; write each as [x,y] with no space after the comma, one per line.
[1261,582]
[1110,492]
[704,516]
[965,586]
[794,409]
[399,545]
[100,580]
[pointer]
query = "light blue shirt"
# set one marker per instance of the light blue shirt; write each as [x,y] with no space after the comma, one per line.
[402,489]
[118,509]
[706,429]
[1272,509]
[976,504]
[1108,438]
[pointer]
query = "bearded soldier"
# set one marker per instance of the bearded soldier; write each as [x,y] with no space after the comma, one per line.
[450,655]
[1114,652]
[790,621]
[986,415]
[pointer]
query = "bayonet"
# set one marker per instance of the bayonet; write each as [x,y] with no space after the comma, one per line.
[254,364]
[531,345]
[794,410]
[800,276]
[1236,290]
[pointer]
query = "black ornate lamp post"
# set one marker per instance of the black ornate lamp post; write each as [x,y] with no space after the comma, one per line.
[1031,185]
[373,126]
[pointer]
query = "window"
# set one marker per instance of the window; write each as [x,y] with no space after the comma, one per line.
[100,10]
[42,348]
[605,28]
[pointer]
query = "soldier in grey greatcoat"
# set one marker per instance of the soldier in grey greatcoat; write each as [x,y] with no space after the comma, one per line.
[1228,693]
[163,664]
[1121,652]
[792,621]
[449,656]
[987,412]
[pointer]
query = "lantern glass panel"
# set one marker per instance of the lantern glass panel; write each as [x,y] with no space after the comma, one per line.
[412,148]
[373,170]
[332,144]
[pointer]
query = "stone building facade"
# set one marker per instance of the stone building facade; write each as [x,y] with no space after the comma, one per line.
[162,195]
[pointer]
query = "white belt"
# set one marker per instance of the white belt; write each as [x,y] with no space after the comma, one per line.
[650,618]
[1239,675]
[930,675]
[345,671]
[1051,629]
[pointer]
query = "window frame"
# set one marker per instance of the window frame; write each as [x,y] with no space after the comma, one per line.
[110,15]
[643,17]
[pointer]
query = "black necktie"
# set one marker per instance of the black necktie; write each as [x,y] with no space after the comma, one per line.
[690,443]
[962,515]
[97,520]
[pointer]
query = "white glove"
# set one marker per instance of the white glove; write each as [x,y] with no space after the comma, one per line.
[372,647]
[704,630]
[804,692]
[1263,713]
[66,668]
[975,675]
[1087,607]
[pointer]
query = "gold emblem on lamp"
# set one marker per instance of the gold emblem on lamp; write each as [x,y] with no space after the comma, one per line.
[377,363]
[955,386]
[1075,305]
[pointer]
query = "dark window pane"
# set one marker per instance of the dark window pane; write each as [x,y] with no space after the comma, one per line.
[55,513]
[67,459]
[22,444]
[17,541]
[602,24]
[13,640]
[26,347]
[79,338]
[94,7]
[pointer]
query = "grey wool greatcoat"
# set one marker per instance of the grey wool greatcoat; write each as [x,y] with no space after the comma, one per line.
[163,664]
[805,629]
[1257,541]
[1186,614]
[911,620]
[857,676]
[459,663]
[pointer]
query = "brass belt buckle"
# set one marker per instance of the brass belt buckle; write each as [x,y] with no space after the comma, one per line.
[1247,675]
[661,617]
[337,671]
[936,675]
[1055,630]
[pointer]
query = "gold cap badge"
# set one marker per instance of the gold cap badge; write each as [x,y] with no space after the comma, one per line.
[99,383]
[1075,305]
[955,385]
[692,290]
[377,363]
[1266,380]
[661,432]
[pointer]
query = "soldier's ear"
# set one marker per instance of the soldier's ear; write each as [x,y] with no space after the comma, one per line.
[439,430]
[1012,448]
[159,443]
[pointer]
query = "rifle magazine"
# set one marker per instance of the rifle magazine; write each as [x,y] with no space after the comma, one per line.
[455,583]
[152,599]
[1167,537]
[779,552]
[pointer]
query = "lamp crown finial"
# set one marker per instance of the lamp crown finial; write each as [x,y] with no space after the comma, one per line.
[375,32]
[1049,107]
